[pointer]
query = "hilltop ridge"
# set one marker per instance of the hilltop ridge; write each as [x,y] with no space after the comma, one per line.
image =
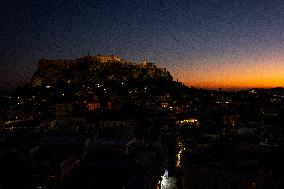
[94,69]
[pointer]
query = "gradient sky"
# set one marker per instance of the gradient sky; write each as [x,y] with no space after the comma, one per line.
[204,43]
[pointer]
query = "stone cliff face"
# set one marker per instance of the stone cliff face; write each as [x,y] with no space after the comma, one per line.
[94,69]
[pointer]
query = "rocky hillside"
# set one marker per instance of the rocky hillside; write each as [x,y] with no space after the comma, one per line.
[97,69]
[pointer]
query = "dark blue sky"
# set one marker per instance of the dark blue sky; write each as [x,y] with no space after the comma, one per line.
[197,40]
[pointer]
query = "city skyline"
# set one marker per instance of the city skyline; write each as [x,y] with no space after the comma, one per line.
[141,94]
[218,44]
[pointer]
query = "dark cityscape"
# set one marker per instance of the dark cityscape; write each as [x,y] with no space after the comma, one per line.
[141,95]
[103,122]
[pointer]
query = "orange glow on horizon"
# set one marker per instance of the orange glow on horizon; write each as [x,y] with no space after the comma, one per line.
[239,81]
[232,74]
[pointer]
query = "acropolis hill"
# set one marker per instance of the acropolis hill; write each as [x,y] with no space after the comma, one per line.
[94,69]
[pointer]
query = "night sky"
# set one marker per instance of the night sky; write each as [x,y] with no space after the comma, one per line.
[203,43]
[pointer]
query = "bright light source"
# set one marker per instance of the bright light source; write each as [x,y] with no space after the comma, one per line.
[178,163]
[191,120]
[168,182]
[166,174]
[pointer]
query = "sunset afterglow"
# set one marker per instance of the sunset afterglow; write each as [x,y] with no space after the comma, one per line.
[211,44]
[261,72]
